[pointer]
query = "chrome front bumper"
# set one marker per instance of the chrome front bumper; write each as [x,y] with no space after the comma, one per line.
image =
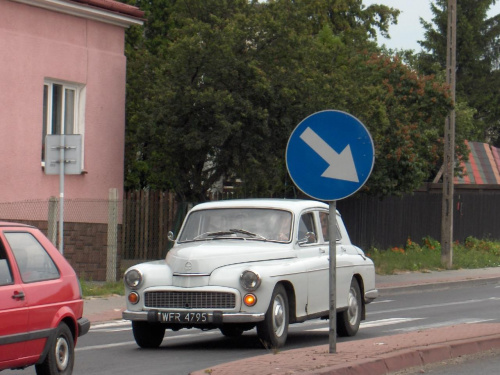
[215,317]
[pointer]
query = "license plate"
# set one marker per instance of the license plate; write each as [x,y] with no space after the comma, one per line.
[183,317]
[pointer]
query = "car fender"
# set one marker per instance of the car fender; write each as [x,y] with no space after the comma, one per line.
[271,273]
[64,314]
[153,274]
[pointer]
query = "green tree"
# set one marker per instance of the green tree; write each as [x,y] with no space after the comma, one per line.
[478,53]
[216,87]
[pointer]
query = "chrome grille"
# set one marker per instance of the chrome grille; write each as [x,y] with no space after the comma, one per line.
[190,300]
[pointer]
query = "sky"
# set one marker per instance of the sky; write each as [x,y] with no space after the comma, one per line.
[408,31]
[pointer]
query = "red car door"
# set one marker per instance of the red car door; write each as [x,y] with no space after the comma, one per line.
[13,312]
[45,291]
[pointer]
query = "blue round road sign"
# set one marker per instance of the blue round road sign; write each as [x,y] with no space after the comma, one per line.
[330,155]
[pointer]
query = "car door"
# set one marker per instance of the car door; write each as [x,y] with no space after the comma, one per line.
[40,278]
[314,255]
[13,311]
[344,263]
[319,276]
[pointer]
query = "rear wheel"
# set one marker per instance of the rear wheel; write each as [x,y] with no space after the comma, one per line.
[273,330]
[148,335]
[348,321]
[61,356]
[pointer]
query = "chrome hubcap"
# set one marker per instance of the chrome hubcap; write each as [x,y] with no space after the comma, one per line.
[278,316]
[353,307]
[62,353]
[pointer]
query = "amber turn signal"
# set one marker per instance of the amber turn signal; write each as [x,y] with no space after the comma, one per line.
[249,300]
[133,298]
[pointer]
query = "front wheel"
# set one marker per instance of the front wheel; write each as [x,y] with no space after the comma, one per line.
[61,355]
[273,330]
[348,321]
[148,335]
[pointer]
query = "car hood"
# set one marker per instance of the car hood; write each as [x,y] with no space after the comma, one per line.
[204,257]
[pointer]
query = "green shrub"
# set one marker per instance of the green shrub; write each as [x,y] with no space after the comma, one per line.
[474,253]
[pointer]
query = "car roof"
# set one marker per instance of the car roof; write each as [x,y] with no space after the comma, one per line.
[9,224]
[285,204]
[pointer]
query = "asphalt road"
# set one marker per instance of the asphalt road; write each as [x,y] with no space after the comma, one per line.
[110,348]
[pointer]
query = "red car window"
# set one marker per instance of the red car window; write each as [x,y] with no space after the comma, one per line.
[32,259]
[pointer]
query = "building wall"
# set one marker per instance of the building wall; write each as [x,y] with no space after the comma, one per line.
[36,44]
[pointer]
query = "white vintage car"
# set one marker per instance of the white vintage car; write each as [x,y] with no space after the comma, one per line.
[240,264]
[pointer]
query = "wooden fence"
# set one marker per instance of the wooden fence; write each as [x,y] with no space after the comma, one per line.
[148,216]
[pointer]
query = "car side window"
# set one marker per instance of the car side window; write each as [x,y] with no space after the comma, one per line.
[5,271]
[307,230]
[323,217]
[32,259]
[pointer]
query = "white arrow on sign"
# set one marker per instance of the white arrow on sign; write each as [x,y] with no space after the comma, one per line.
[341,166]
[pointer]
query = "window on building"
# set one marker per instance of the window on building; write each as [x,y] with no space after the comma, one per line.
[62,109]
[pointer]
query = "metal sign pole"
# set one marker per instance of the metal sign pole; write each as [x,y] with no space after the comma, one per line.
[61,194]
[344,143]
[62,156]
[332,233]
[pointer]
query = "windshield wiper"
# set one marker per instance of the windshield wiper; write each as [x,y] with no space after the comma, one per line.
[229,232]
[242,231]
[213,234]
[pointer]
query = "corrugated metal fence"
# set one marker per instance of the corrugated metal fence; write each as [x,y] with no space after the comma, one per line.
[371,222]
[388,222]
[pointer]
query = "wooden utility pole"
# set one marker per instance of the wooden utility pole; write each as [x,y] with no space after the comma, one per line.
[449,142]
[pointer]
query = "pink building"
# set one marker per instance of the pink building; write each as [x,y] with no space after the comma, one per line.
[62,71]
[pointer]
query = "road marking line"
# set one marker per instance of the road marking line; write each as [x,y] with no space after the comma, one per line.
[412,308]
[376,323]
[442,324]
[383,301]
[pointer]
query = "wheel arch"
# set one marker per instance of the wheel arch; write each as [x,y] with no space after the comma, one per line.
[361,284]
[69,321]
[292,302]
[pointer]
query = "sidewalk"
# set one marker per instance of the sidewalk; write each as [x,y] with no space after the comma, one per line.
[381,355]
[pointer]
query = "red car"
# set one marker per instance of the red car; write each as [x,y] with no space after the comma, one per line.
[41,303]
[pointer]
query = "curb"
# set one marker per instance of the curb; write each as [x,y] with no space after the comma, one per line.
[418,357]
[371,356]
[435,285]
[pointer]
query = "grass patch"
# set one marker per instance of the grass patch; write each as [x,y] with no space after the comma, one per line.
[101,289]
[426,256]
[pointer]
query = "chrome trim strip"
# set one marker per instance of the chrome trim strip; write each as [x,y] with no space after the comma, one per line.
[190,274]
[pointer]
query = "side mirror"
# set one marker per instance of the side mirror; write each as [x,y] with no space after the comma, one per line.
[171,236]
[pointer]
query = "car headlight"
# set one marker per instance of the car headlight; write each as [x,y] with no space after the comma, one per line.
[250,280]
[133,278]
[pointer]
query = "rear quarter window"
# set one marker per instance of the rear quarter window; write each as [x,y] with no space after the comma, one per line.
[32,259]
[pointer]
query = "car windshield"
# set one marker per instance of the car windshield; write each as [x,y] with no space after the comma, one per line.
[241,223]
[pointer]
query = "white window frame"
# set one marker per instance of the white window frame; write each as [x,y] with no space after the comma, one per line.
[78,126]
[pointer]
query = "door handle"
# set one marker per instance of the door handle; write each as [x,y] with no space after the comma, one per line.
[18,295]
[322,251]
